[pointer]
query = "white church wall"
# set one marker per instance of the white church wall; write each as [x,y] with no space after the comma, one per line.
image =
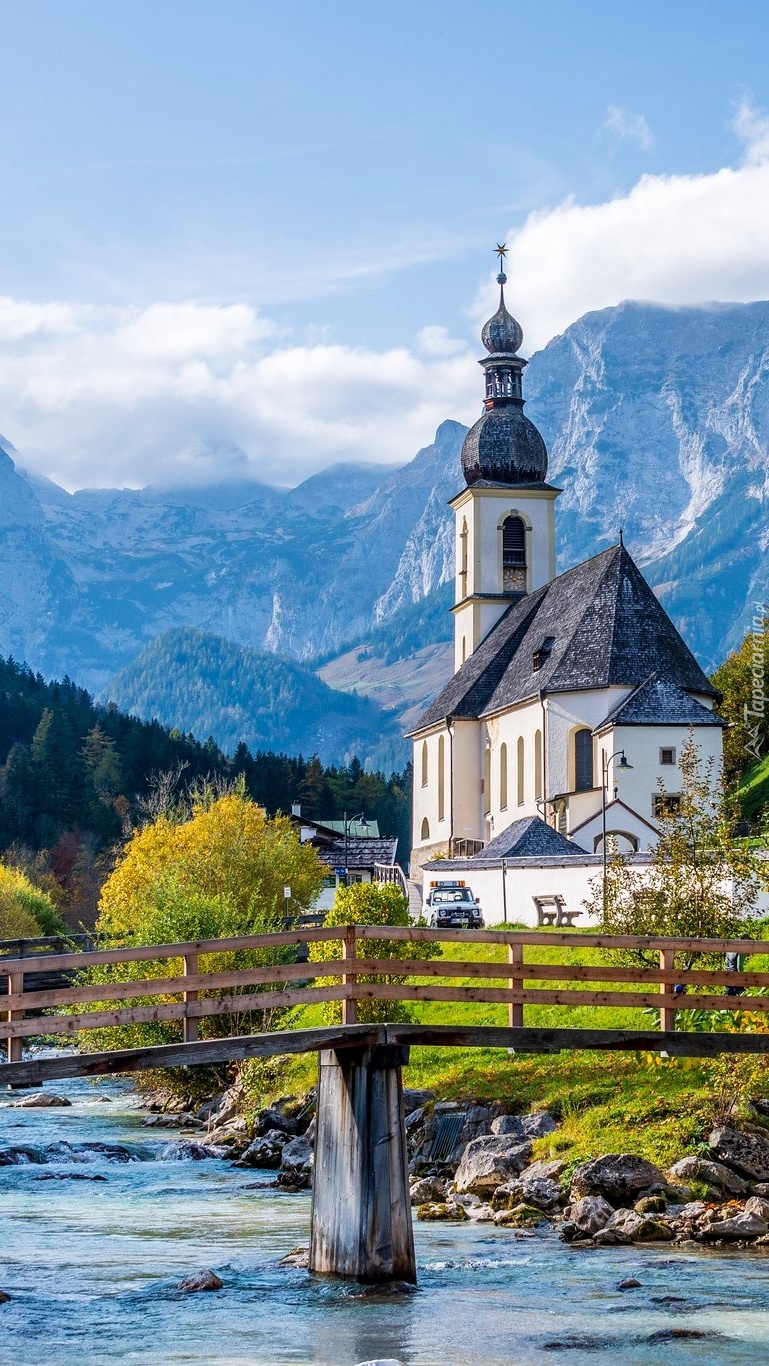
[639,785]
[503,734]
[468,816]
[572,878]
[566,713]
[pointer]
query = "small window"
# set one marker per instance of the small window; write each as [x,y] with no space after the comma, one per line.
[521,772]
[424,764]
[441,778]
[503,777]
[667,756]
[583,760]
[425,829]
[666,804]
[542,653]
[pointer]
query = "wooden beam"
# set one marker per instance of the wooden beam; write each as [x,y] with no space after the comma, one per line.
[35,1071]
[563,939]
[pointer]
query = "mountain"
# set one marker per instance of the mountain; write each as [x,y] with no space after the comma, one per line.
[657,420]
[235,694]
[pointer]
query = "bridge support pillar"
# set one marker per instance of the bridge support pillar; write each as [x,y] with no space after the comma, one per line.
[361,1212]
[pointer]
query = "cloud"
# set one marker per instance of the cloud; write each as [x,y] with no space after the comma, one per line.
[190,393]
[672,239]
[622,125]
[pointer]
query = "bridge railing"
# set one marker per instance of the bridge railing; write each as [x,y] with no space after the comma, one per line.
[363,977]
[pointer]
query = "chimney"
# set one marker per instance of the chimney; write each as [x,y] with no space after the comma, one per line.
[296,809]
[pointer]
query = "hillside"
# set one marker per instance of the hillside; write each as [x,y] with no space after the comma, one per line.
[238,695]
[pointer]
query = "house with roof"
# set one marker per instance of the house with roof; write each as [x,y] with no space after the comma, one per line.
[572,694]
[352,851]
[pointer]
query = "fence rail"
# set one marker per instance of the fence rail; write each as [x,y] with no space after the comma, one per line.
[355,976]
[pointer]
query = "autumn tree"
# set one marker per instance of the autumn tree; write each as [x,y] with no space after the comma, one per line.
[371,903]
[742,673]
[26,912]
[702,881]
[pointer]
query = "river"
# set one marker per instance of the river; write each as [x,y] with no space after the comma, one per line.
[92,1267]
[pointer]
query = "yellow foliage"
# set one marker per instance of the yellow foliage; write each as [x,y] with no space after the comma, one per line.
[25,911]
[228,848]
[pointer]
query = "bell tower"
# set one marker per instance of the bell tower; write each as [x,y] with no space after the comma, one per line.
[505,516]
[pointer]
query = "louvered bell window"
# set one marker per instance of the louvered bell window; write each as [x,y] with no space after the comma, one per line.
[513,555]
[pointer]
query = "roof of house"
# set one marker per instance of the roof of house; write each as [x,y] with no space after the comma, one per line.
[606,627]
[659,702]
[528,838]
[359,853]
[356,828]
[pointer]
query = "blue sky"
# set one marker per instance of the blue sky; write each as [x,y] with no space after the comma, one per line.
[210,204]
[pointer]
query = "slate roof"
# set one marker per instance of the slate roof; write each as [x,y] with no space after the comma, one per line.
[659,702]
[361,853]
[608,629]
[528,838]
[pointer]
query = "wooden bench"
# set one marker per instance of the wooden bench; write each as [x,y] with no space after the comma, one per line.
[551,910]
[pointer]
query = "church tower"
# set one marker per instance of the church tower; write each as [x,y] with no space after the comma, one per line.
[505,517]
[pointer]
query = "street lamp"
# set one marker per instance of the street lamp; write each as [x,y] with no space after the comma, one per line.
[353,820]
[625,765]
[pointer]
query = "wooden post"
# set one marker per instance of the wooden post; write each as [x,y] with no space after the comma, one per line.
[667,1013]
[349,979]
[515,1009]
[15,988]
[190,1021]
[361,1212]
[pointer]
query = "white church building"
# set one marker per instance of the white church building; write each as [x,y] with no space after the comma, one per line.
[572,694]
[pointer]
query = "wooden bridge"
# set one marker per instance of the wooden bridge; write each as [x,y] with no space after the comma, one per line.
[361,1222]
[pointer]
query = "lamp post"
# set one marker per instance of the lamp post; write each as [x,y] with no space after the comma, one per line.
[625,765]
[353,820]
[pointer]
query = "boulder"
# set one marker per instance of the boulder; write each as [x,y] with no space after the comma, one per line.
[39,1100]
[414,1099]
[296,1157]
[271,1119]
[428,1188]
[222,1107]
[758,1206]
[611,1237]
[550,1169]
[745,1153]
[441,1209]
[298,1256]
[266,1151]
[714,1173]
[760,1188]
[738,1228]
[520,1216]
[619,1177]
[651,1204]
[200,1280]
[589,1214]
[542,1192]
[490,1161]
[537,1125]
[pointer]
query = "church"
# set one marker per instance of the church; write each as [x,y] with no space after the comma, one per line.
[572,694]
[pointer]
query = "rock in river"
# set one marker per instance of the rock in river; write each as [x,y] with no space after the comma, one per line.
[39,1100]
[200,1280]
[715,1173]
[266,1151]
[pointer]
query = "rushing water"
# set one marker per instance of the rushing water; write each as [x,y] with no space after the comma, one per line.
[92,1268]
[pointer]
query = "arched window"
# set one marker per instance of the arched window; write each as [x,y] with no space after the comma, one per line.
[424,763]
[583,760]
[521,775]
[503,777]
[513,555]
[425,829]
[486,781]
[441,778]
[538,765]
[463,560]
[464,648]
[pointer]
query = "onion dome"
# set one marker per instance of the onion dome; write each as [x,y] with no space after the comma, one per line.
[502,333]
[503,447]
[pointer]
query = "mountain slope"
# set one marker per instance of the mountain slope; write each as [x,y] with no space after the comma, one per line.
[207,685]
[656,420]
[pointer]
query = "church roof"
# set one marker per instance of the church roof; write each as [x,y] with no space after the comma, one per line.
[658,701]
[601,626]
[529,837]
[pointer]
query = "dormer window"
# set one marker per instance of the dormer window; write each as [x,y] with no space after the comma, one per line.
[542,653]
[513,555]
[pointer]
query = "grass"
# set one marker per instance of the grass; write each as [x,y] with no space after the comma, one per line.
[753,792]
[604,1102]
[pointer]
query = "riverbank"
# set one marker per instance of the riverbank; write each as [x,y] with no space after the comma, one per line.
[92,1268]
